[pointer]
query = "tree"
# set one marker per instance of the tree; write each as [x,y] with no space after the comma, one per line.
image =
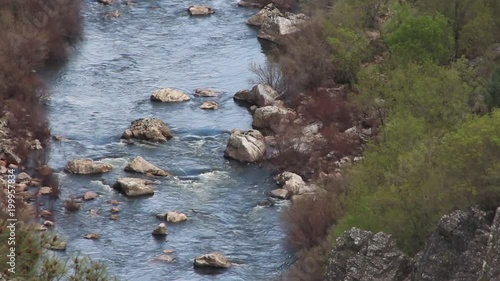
[422,38]
[492,94]
[471,20]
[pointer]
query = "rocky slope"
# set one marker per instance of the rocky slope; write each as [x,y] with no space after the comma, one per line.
[465,246]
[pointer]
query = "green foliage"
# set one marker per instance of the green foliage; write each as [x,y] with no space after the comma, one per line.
[492,94]
[436,94]
[34,262]
[349,48]
[474,26]
[421,39]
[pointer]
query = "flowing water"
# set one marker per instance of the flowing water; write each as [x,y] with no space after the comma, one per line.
[106,84]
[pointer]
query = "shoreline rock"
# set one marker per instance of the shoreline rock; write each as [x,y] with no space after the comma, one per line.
[169,95]
[246,146]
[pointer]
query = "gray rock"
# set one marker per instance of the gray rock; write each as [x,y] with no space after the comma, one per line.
[214,259]
[87,166]
[90,195]
[139,165]
[150,129]
[246,146]
[457,249]
[362,255]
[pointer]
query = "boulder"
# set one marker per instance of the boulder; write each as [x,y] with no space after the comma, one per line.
[277,26]
[175,217]
[169,95]
[87,166]
[263,15]
[293,183]
[200,10]
[161,230]
[90,195]
[458,249]
[134,186]
[264,116]
[281,193]
[260,95]
[105,2]
[214,259]
[114,210]
[362,255]
[209,105]
[10,157]
[246,146]
[205,93]
[139,165]
[150,129]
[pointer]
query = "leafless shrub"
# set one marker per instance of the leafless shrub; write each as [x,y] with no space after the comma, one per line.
[269,73]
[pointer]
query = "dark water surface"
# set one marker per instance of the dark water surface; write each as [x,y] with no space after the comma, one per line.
[107,84]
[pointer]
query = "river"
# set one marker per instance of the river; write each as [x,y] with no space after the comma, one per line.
[106,84]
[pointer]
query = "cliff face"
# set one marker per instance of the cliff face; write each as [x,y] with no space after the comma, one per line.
[465,246]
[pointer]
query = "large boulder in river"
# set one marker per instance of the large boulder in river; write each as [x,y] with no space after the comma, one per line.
[263,116]
[263,15]
[139,165]
[260,95]
[215,259]
[134,186]
[175,217]
[87,166]
[293,183]
[362,255]
[246,146]
[277,27]
[151,129]
[169,95]
[200,10]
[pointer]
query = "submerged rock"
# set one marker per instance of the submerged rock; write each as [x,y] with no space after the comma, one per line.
[92,236]
[169,95]
[214,259]
[200,10]
[89,195]
[150,129]
[205,93]
[134,186]
[246,146]
[139,165]
[87,166]
[165,258]
[209,105]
